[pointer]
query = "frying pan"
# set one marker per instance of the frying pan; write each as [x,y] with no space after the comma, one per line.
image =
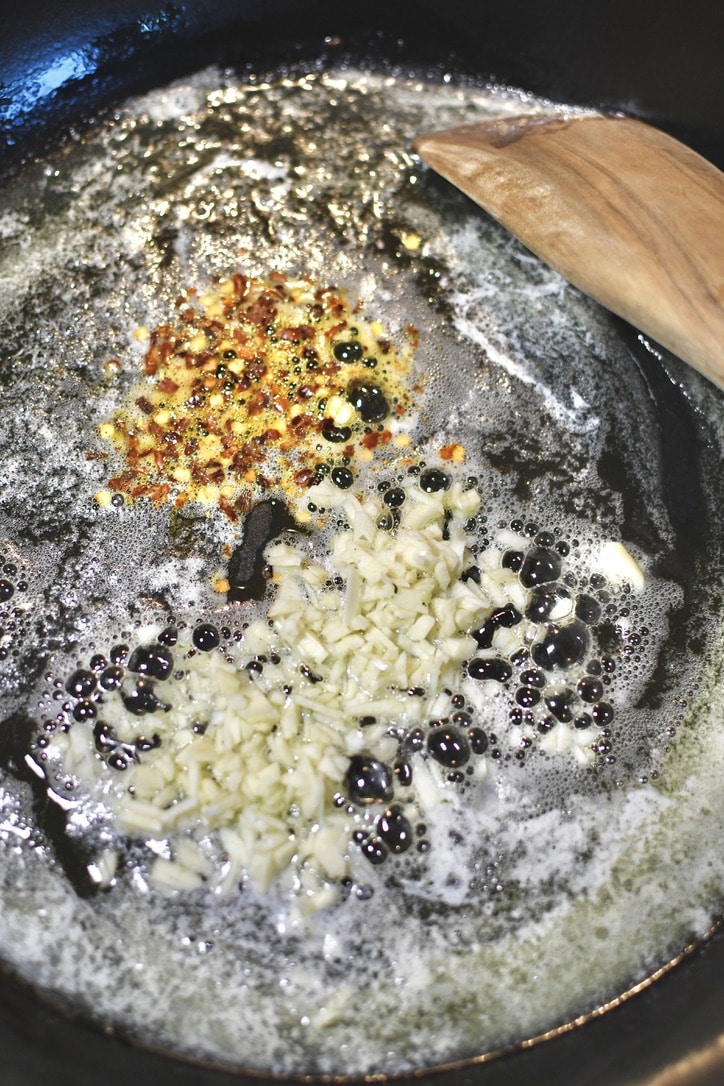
[61,63]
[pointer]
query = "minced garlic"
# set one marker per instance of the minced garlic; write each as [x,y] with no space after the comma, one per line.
[257,754]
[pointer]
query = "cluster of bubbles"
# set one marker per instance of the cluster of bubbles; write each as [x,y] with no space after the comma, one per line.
[371,786]
[134,676]
[563,676]
[558,674]
[13,627]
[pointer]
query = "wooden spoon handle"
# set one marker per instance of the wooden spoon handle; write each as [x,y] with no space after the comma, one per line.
[623,211]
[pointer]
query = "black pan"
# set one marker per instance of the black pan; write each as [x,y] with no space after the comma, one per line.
[59,65]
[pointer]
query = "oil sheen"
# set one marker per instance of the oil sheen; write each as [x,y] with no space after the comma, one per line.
[550,886]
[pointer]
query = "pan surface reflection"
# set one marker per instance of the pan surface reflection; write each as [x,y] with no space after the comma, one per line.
[569,882]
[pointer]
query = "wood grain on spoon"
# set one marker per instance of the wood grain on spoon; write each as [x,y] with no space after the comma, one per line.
[623,211]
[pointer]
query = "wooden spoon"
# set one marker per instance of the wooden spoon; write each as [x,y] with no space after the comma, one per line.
[623,211]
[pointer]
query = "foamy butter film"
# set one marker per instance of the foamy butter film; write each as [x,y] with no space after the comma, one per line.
[548,883]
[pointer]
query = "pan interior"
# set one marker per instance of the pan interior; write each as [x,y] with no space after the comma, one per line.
[559,885]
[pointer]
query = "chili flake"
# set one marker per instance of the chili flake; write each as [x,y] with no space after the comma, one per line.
[253,386]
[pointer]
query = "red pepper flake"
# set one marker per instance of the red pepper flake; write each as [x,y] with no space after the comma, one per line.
[215,471]
[160,348]
[273,353]
[241,285]
[240,463]
[455,452]
[371,441]
[296,335]
[211,424]
[305,477]
[243,503]
[196,361]
[158,493]
[167,385]
[261,313]
[302,422]
[335,330]
[256,369]
[228,509]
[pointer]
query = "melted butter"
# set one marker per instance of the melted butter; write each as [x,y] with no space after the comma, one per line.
[564,886]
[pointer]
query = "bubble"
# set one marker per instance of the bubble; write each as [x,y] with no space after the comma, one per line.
[561,646]
[488,668]
[348,352]
[394,497]
[448,747]
[154,662]
[206,637]
[81,683]
[432,481]
[540,566]
[112,677]
[342,477]
[369,401]
[394,830]
[368,780]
